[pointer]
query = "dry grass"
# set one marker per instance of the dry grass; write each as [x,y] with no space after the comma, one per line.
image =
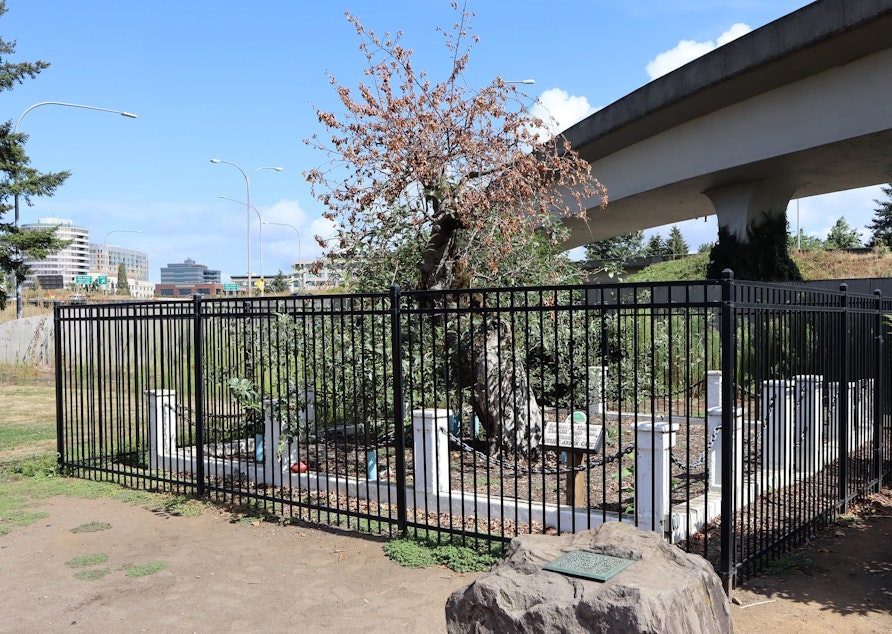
[8,313]
[835,265]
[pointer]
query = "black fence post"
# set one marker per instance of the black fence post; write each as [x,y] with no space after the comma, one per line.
[727,568]
[842,431]
[396,347]
[60,414]
[878,391]
[198,343]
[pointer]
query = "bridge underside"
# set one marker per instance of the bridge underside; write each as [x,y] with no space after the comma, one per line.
[800,107]
[817,171]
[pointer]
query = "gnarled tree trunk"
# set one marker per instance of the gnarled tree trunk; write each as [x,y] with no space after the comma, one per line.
[503,400]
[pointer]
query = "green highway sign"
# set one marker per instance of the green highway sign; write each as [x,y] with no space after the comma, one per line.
[102,279]
[83,279]
[230,287]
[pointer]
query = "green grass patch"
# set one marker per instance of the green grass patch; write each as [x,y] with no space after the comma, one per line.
[17,518]
[142,570]
[91,527]
[92,574]
[84,561]
[849,519]
[182,506]
[16,434]
[423,549]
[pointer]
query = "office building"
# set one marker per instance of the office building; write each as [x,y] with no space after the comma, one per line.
[60,269]
[189,272]
[105,260]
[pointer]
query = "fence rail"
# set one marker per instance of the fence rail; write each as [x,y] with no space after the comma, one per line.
[733,418]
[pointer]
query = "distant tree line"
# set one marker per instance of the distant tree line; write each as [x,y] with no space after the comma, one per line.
[622,249]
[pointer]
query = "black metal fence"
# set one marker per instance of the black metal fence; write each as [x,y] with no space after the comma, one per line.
[733,418]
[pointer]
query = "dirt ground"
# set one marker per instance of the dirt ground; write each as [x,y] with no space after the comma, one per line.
[207,574]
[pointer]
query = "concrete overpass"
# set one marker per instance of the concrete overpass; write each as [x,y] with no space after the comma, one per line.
[799,107]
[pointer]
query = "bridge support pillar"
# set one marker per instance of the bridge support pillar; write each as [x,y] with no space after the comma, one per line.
[749,203]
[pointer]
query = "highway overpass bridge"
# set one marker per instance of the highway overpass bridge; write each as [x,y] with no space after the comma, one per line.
[799,107]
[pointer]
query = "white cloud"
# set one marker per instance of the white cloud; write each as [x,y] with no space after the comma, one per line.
[559,110]
[689,50]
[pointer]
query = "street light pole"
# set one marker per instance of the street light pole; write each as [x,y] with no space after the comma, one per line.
[248,178]
[262,222]
[285,224]
[20,282]
[106,251]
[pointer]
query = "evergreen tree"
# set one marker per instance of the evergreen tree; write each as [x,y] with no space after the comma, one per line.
[656,246]
[279,284]
[123,284]
[675,245]
[881,227]
[804,242]
[17,179]
[619,249]
[842,236]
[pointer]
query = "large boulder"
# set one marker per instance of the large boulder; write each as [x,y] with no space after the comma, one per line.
[666,590]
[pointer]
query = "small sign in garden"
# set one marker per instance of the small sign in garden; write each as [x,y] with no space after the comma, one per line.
[573,433]
[576,438]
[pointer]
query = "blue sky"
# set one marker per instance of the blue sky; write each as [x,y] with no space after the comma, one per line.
[239,81]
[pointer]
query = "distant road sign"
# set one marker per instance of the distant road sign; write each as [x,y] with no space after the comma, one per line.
[102,279]
[83,279]
[230,287]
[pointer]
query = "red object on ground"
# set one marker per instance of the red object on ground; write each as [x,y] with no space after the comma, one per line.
[299,467]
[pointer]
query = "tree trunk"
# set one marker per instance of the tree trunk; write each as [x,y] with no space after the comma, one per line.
[438,260]
[503,400]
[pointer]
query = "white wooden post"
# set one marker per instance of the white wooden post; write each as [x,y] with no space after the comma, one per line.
[777,414]
[652,474]
[854,413]
[809,399]
[715,432]
[596,375]
[866,394]
[713,389]
[162,426]
[431,450]
[713,427]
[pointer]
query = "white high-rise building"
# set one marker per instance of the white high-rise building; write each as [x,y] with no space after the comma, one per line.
[71,261]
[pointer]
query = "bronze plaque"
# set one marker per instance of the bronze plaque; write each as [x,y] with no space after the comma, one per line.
[589,565]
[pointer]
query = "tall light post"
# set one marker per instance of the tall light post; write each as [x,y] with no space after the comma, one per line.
[20,282]
[260,237]
[248,178]
[285,224]
[106,252]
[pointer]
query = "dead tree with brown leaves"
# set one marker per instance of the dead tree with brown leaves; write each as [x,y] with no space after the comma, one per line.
[437,185]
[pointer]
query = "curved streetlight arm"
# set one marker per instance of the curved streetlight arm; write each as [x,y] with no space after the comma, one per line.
[284,224]
[242,202]
[19,283]
[262,222]
[248,208]
[129,115]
